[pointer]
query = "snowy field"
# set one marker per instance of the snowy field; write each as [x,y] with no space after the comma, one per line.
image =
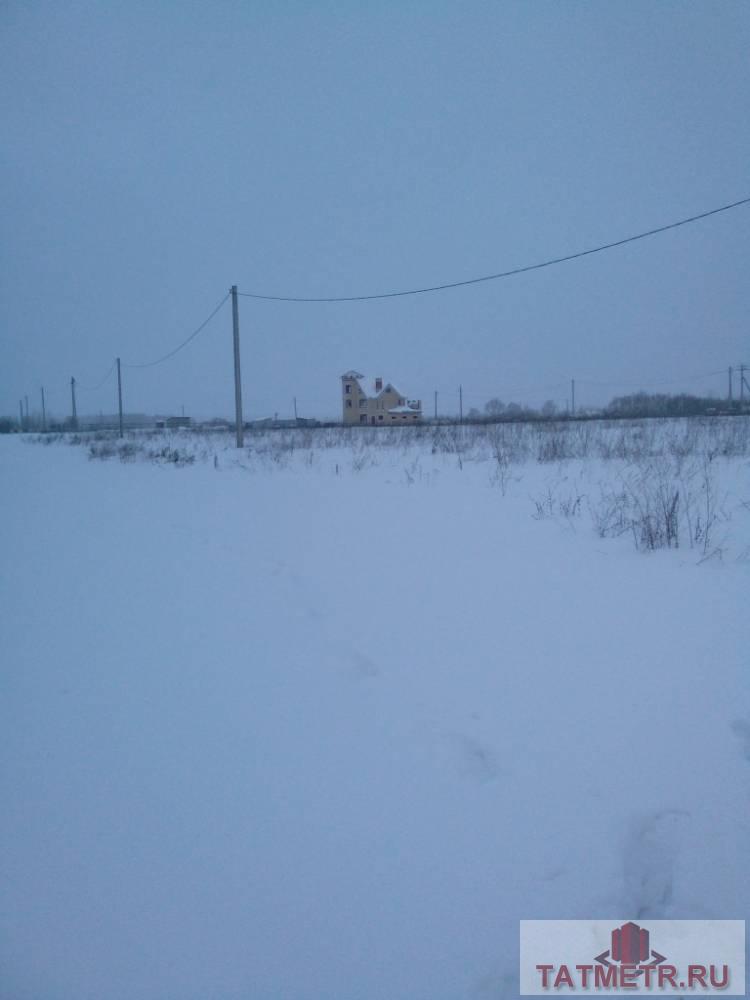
[323,719]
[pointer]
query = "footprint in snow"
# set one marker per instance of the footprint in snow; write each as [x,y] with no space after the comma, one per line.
[741,729]
[352,659]
[497,985]
[649,861]
[473,758]
[363,664]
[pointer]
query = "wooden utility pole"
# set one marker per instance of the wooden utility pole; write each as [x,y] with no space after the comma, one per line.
[74,415]
[295,409]
[44,413]
[119,394]
[237,377]
[460,404]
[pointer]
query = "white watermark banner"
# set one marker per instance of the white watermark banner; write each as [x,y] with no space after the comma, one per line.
[650,957]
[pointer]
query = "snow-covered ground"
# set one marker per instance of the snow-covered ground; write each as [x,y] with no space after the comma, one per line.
[324,722]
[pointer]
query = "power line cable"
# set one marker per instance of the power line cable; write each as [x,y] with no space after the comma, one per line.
[501,274]
[504,390]
[93,388]
[586,381]
[661,381]
[193,335]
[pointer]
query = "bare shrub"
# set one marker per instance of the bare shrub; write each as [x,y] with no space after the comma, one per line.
[102,449]
[570,505]
[610,515]
[545,505]
[554,504]
[501,474]
[413,471]
[127,451]
[170,456]
[709,511]
[362,459]
[645,502]
[553,444]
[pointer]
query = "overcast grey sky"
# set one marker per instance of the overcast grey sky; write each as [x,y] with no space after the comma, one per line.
[156,153]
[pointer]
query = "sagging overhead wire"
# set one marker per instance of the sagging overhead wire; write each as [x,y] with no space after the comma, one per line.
[472,393]
[501,274]
[661,381]
[93,388]
[193,335]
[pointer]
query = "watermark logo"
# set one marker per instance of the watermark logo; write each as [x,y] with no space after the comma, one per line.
[702,957]
[630,946]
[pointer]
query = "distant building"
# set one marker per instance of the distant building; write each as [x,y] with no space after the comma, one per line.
[105,421]
[281,423]
[383,405]
[173,423]
[217,424]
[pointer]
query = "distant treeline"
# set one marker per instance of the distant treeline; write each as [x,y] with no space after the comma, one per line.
[644,404]
[637,404]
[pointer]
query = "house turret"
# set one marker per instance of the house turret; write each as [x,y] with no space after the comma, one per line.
[351,393]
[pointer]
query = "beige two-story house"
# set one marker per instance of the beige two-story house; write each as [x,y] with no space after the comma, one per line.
[383,405]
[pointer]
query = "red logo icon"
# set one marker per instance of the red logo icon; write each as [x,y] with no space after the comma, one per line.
[630,946]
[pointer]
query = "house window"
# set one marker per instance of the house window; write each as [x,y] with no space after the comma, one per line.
[380,417]
[349,403]
[363,418]
[348,387]
[362,402]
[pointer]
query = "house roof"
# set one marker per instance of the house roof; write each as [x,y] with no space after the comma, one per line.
[387,387]
[369,390]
